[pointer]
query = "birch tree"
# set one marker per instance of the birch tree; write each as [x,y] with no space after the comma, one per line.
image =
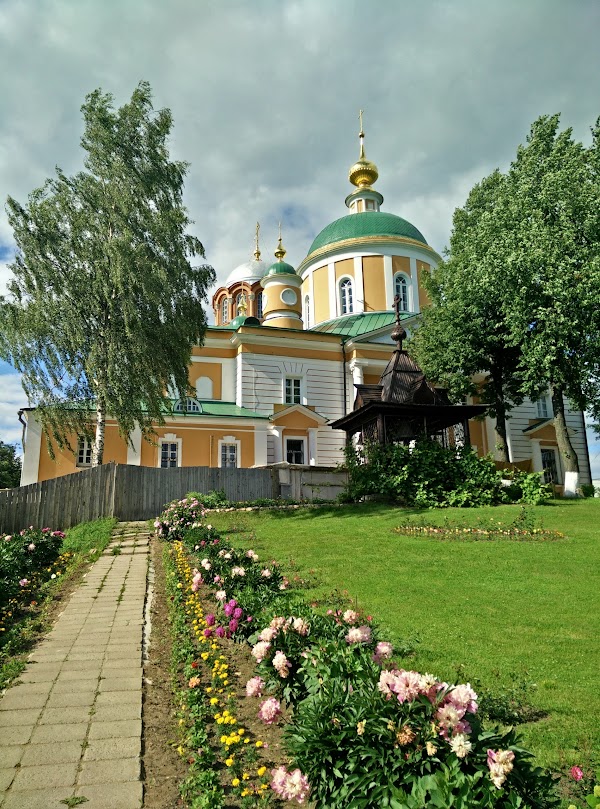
[105,303]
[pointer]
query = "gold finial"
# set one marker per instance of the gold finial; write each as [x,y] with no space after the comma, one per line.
[256,248]
[281,251]
[363,173]
[361,135]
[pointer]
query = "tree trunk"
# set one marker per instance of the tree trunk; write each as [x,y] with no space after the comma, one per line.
[567,453]
[500,429]
[98,449]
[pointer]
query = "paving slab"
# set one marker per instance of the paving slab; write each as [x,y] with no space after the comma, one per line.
[72,723]
[111,796]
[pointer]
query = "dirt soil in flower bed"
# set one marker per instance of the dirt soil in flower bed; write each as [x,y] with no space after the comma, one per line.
[163,768]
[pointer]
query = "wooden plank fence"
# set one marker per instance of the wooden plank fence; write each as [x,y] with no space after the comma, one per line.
[122,491]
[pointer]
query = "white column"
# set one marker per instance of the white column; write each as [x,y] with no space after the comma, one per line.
[277,433]
[357,373]
[228,392]
[31,456]
[134,447]
[389,282]
[311,295]
[414,278]
[238,380]
[332,290]
[359,284]
[260,445]
[312,445]
[536,455]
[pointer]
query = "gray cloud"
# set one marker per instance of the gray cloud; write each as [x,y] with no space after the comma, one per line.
[265,97]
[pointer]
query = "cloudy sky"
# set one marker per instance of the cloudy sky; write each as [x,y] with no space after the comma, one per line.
[265,97]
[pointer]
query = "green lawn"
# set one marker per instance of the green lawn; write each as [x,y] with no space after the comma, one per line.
[494,607]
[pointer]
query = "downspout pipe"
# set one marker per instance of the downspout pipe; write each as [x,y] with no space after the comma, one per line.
[343,343]
[24,423]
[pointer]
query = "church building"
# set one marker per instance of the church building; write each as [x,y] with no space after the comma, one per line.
[287,349]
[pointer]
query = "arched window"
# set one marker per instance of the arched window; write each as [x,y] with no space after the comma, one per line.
[224,311]
[307,311]
[204,388]
[259,305]
[346,297]
[401,290]
[188,405]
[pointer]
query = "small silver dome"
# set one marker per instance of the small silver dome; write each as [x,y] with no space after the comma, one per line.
[250,271]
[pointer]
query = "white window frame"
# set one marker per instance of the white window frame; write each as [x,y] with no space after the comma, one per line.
[302,438]
[229,440]
[85,450]
[401,276]
[224,311]
[307,311]
[192,405]
[259,305]
[543,407]
[169,438]
[559,475]
[293,380]
[344,283]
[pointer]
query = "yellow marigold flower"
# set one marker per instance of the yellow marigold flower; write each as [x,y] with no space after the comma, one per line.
[246,792]
[246,740]
[209,689]
[204,655]
[180,750]
[235,782]
[214,701]
[245,776]
[261,771]
[225,713]
[228,762]
[259,743]
[241,731]
[181,721]
[223,739]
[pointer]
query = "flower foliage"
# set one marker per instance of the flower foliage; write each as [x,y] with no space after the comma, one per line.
[26,560]
[429,475]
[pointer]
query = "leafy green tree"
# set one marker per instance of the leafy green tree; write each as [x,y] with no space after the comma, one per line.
[105,304]
[10,466]
[462,341]
[554,269]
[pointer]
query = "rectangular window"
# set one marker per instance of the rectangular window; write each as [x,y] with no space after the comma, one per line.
[294,448]
[84,452]
[168,454]
[228,456]
[292,390]
[550,466]
[543,408]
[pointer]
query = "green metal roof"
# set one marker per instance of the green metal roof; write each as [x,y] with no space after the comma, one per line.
[361,225]
[361,323]
[281,267]
[211,407]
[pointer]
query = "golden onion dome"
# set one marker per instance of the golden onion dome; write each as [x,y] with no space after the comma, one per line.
[364,172]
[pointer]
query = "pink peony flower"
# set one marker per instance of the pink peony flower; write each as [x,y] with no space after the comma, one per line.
[383,651]
[301,626]
[252,555]
[267,634]
[290,786]
[210,619]
[233,625]
[220,632]
[238,571]
[220,595]
[23,582]
[281,664]
[269,711]
[350,616]
[254,687]
[266,573]
[31,547]
[260,650]
[359,634]
[576,773]
[237,613]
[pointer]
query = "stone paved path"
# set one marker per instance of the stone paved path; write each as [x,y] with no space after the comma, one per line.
[73,726]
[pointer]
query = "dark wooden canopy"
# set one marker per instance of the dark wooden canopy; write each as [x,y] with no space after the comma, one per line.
[405,406]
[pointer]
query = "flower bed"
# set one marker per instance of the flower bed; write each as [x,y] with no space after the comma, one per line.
[359,729]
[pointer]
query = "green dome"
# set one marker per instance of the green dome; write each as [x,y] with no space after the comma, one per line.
[281,267]
[243,320]
[367,224]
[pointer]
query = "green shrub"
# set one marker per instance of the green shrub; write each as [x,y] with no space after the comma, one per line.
[213,499]
[588,490]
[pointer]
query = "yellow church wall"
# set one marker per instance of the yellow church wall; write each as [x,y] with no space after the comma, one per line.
[373,283]
[200,445]
[345,267]
[371,379]
[295,420]
[478,436]
[321,294]
[423,269]
[209,351]
[282,350]
[65,462]
[400,264]
[212,370]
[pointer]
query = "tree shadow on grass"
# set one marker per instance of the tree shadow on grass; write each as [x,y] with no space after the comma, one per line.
[351,510]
